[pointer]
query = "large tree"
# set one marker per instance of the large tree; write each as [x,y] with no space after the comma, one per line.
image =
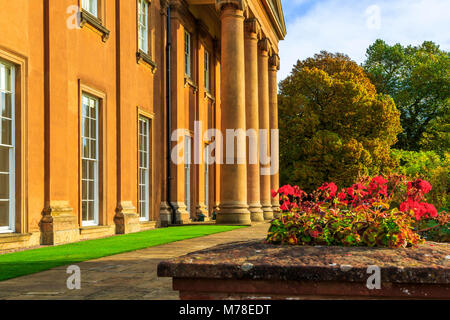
[333,124]
[418,79]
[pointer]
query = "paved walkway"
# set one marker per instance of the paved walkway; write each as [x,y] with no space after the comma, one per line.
[125,276]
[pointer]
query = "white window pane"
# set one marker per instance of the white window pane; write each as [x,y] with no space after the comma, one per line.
[91,6]
[4,186]
[6,132]
[2,77]
[4,214]
[6,104]
[4,159]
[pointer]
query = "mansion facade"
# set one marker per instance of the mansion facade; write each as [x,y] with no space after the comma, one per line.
[91,92]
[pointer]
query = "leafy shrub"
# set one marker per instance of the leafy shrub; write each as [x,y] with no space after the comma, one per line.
[427,165]
[334,125]
[357,216]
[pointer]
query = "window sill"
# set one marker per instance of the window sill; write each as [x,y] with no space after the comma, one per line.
[209,96]
[189,82]
[144,58]
[94,22]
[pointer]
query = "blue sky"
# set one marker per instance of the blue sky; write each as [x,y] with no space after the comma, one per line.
[350,26]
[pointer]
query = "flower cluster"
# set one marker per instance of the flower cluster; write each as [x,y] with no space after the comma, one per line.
[415,203]
[360,215]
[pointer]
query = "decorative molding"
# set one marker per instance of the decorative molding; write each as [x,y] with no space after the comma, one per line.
[87,18]
[252,26]
[209,96]
[274,61]
[164,4]
[143,57]
[189,82]
[239,4]
[264,45]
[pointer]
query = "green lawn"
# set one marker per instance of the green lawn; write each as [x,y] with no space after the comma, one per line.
[18,264]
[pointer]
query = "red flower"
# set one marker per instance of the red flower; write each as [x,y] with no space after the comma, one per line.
[342,195]
[330,188]
[378,185]
[285,206]
[287,190]
[421,210]
[425,186]
[299,193]
[274,193]
[351,192]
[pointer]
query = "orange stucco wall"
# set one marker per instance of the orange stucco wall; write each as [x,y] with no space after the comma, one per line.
[60,62]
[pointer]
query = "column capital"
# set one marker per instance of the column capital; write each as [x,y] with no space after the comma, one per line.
[163,6]
[264,45]
[252,27]
[274,62]
[238,4]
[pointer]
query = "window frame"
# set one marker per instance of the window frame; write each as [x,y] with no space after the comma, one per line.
[87,8]
[188,172]
[96,200]
[207,71]
[146,35]
[188,54]
[148,186]
[207,174]
[11,149]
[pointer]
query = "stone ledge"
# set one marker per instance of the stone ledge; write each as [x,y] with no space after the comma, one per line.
[96,229]
[148,225]
[428,263]
[14,237]
[94,232]
[254,268]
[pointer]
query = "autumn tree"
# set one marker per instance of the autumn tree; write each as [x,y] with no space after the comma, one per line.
[418,79]
[333,124]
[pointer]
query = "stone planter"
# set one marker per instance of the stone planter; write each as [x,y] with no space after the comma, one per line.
[254,270]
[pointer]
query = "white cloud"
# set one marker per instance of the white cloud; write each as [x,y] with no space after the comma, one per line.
[350,26]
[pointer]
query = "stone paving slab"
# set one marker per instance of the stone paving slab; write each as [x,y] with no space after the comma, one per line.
[124,276]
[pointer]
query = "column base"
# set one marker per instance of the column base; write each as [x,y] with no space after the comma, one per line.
[165,214]
[256,212]
[59,225]
[126,218]
[182,215]
[234,214]
[268,210]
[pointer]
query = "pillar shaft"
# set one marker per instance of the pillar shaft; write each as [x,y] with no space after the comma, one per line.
[252,119]
[273,115]
[264,124]
[233,204]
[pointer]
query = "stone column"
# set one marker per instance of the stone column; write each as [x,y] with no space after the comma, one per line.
[264,124]
[274,66]
[252,118]
[233,177]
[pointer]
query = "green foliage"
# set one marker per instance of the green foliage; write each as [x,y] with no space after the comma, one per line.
[416,164]
[336,227]
[427,165]
[333,124]
[418,79]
